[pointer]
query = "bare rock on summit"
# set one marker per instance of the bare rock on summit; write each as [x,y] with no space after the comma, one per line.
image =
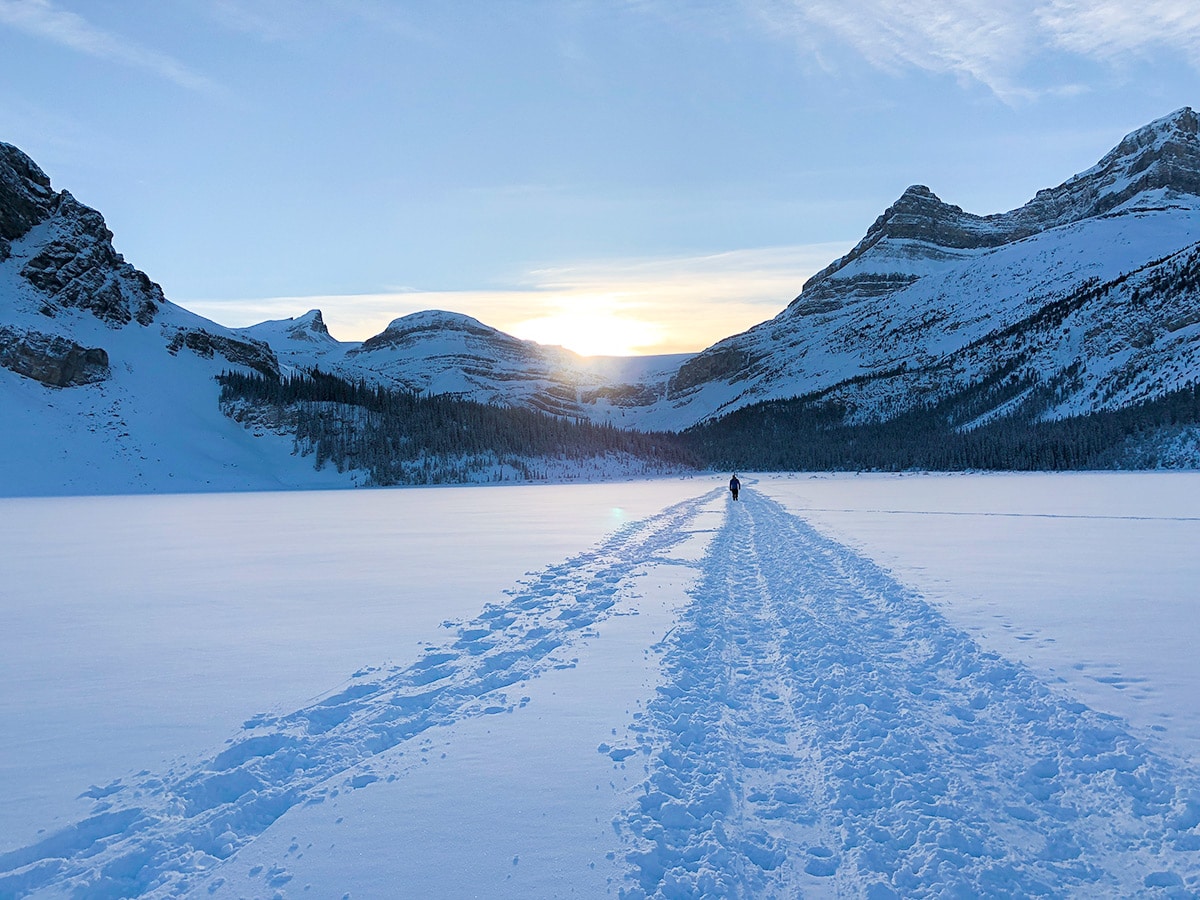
[25,196]
[74,264]
[79,268]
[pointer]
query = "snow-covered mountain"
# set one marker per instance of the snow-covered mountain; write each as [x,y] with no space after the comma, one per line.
[439,352]
[1088,294]
[105,385]
[933,298]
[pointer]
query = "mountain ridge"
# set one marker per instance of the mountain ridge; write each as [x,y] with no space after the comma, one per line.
[1085,297]
[926,271]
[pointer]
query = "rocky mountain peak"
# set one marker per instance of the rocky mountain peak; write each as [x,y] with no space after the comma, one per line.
[1171,139]
[1151,165]
[430,323]
[310,326]
[74,264]
[924,223]
[920,215]
[1160,160]
[25,196]
[315,321]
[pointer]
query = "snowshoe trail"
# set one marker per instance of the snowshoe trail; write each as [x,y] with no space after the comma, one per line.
[160,834]
[818,730]
[823,731]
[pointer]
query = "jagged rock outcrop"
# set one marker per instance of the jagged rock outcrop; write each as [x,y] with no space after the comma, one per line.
[25,196]
[79,268]
[51,359]
[75,266]
[249,352]
[309,327]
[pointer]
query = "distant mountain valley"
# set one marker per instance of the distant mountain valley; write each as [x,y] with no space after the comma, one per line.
[1062,334]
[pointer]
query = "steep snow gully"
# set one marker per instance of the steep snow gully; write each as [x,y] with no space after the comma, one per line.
[817,729]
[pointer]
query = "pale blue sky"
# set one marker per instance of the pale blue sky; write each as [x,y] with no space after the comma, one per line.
[685,165]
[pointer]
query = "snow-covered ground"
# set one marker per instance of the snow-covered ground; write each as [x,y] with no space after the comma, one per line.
[871,686]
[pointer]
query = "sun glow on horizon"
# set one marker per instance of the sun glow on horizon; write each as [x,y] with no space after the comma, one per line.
[629,307]
[597,328]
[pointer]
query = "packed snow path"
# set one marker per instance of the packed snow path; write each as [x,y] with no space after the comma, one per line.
[819,730]
[162,834]
[823,731]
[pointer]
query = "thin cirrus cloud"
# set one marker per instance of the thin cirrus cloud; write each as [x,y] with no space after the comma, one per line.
[1110,30]
[43,19]
[992,42]
[615,307]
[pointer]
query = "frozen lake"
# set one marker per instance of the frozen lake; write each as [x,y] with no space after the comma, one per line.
[170,655]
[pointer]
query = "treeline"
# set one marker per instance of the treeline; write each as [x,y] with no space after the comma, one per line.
[813,434]
[402,437]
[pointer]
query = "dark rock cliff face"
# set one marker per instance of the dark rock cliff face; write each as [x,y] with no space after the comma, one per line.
[243,352]
[309,325]
[51,359]
[79,268]
[25,196]
[714,363]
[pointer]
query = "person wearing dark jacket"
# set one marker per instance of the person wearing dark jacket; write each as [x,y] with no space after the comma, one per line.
[734,486]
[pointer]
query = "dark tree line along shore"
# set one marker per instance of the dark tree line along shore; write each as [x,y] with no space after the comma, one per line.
[813,435]
[401,437]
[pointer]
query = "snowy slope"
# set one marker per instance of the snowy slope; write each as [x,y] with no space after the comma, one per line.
[106,386]
[928,280]
[442,352]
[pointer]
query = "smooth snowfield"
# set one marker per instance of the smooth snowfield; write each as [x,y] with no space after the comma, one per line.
[838,686]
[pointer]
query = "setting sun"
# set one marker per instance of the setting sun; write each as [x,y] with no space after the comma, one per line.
[592,332]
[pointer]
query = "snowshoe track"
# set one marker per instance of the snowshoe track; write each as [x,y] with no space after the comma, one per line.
[820,731]
[158,835]
[823,731]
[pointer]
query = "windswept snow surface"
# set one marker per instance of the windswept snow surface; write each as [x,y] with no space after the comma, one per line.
[715,699]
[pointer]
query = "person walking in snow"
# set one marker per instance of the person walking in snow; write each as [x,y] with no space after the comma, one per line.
[734,485]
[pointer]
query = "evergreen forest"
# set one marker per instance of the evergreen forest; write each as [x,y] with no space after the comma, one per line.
[402,437]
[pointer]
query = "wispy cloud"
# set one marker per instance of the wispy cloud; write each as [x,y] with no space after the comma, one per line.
[620,307]
[977,39]
[992,42]
[43,19]
[1111,30]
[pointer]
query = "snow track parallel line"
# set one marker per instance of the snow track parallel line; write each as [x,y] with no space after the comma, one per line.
[822,730]
[158,835]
